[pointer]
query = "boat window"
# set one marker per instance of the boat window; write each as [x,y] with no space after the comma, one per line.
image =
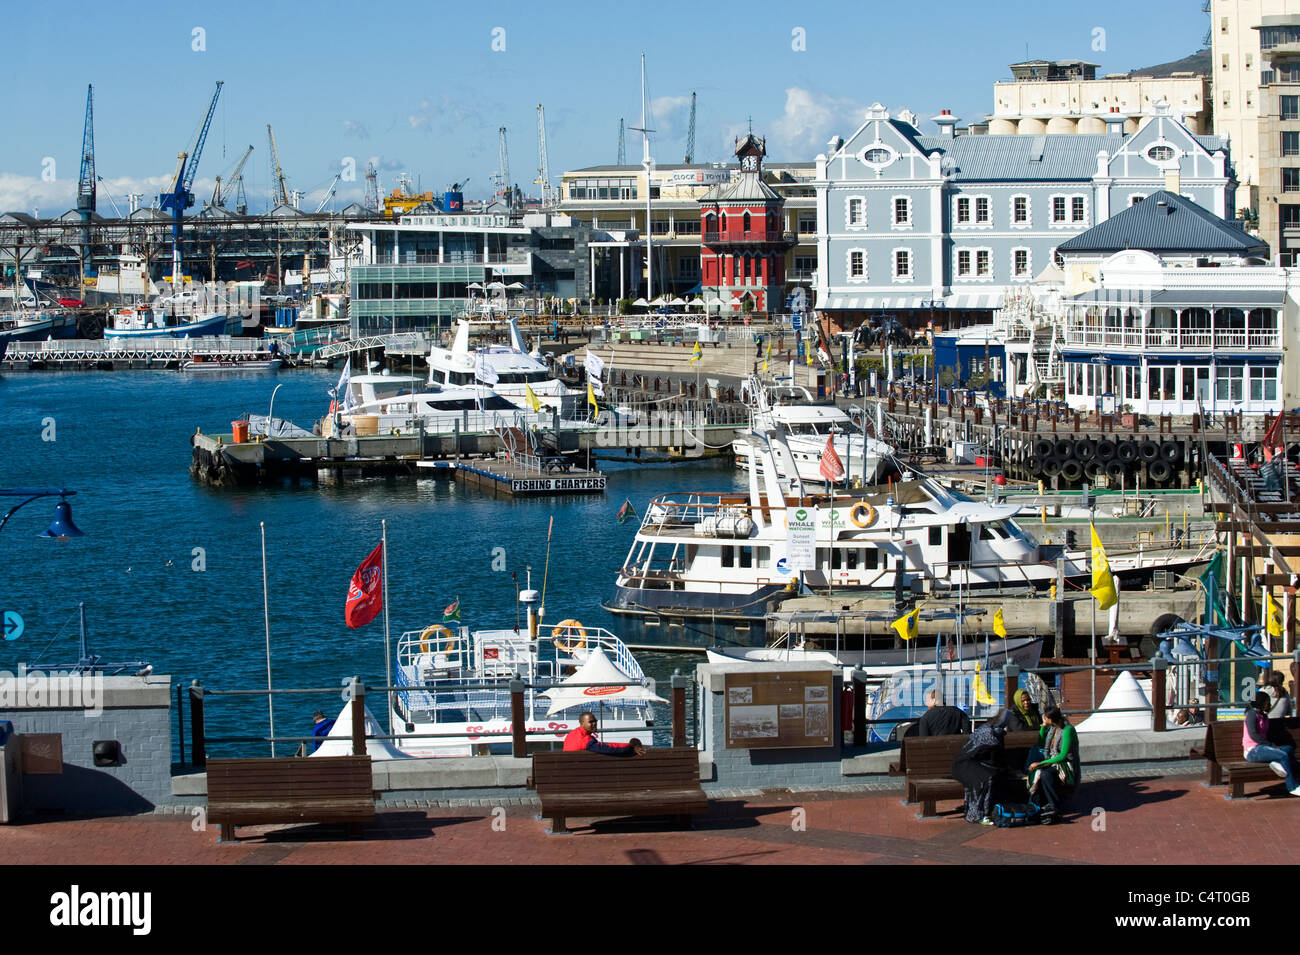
[746,557]
[836,558]
[986,533]
[764,556]
[936,535]
[851,558]
[959,544]
[871,558]
[728,557]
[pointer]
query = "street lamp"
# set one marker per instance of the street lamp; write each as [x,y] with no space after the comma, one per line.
[62,528]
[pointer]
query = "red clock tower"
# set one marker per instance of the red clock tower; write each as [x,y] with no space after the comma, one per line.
[743,245]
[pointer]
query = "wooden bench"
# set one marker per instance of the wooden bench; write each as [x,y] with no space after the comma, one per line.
[662,782]
[249,792]
[1223,754]
[927,761]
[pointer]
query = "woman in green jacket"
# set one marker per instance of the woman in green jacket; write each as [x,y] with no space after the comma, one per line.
[1057,773]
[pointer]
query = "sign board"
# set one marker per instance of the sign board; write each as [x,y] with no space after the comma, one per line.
[782,710]
[801,538]
[531,485]
[796,321]
[694,177]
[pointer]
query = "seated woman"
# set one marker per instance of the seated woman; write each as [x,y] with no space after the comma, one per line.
[1259,745]
[977,767]
[1021,715]
[1054,777]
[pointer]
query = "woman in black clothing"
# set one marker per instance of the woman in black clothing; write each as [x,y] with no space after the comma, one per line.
[977,767]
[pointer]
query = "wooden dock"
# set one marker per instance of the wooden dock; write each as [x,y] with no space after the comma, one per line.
[504,477]
[115,354]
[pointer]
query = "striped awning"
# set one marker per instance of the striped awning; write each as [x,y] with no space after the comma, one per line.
[863,303]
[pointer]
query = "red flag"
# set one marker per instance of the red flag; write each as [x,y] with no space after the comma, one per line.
[832,468]
[1273,439]
[366,594]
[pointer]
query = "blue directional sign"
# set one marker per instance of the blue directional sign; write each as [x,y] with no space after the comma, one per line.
[796,321]
[13,625]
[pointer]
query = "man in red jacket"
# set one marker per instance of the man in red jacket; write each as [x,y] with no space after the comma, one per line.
[584,738]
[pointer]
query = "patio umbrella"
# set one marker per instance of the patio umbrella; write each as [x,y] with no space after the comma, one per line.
[678,301]
[597,669]
[516,285]
[640,301]
[477,285]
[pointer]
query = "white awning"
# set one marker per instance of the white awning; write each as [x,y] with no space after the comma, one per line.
[864,303]
[969,300]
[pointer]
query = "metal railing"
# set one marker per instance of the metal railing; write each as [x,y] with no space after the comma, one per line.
[1172,337]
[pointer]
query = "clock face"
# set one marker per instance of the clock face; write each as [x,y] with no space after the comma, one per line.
[749,163]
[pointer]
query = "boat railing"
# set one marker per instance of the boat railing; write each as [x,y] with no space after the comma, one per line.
[675,511]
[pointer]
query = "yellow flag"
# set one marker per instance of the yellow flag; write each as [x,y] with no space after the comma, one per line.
[999,623]
[531,398]
[1103,584]
[591,400]
[906,625]
[1272,616]
[982,694]
[769,354]
[698,353]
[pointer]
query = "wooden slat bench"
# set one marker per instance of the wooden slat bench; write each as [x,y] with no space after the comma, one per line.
[928,763]
[662,782]
[1223,754]
[249,792]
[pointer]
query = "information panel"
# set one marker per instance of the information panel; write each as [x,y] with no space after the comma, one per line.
[779,710]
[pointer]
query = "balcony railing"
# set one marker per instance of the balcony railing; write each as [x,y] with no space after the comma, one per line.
[752,237]
[1173,338]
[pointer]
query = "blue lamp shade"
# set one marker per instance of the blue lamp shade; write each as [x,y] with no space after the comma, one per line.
[62,528]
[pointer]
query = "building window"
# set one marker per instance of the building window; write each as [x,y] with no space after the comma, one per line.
[963,211]
[1077,209]
[804,267]
[1058,209]
[1291,144]
[1020,263]
[1135,197]
[1160,153]
[857,213]
[902,211]
[983,263]
[688,267]
[903,264]
[982,210]
[1229,382]
[857,265]
[747,223]
[1290,107]
[1290,216]
[1263,383]
[963,262]
[807,226]
[1291,179]
[1020,211]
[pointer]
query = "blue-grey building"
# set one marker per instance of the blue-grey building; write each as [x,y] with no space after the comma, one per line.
[939,228]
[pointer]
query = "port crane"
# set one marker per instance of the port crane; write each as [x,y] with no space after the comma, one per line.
[690,133]
[504,191]
[329,193]
[277,174]
[86,184]
[235,180]
[543,168]
[180,196]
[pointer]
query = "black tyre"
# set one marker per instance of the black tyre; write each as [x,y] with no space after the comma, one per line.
[1115,470]
[1033,464]
[1150,644]
[1148,450]
[1051,467]
[1071,470]
[1127,451]
[1093,469]
[1085,450]
[1106,450]
[1065,449]
[1044,447]
[1171,451]
[1159,471]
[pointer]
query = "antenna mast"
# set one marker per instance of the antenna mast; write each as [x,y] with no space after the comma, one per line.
[648,165]
[690,133]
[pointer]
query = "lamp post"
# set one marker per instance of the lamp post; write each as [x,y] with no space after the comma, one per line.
[62,527]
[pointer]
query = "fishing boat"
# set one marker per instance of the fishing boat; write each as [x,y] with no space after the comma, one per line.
[509,370]
[147,321]
[807,426]
[25,325]
[455,695]
[704,568]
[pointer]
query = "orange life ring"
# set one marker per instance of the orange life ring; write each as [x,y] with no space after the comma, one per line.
[862,514]
[578,640]
[431,633]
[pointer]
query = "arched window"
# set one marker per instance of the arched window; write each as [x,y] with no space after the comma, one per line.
[746,223]
[724,222]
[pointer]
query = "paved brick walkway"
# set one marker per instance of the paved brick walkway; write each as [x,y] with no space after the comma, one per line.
[1152,820]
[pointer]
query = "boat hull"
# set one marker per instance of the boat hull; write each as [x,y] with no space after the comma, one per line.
[204,328]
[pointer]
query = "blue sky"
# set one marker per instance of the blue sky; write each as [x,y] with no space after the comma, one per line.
[421,86]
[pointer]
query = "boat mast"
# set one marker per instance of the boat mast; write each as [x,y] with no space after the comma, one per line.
[648,165]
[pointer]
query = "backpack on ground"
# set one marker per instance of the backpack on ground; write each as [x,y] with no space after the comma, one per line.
[1009,814]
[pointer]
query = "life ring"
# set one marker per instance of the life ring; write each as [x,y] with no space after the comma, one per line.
[433,632]
[577,643]
[863,514]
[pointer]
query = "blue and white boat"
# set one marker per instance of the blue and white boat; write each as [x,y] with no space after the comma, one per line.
[164,322]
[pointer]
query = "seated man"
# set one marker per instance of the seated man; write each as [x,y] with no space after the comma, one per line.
[584,738]
[941,720]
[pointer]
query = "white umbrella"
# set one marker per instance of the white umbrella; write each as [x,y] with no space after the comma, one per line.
[678,301]
[516,285]
[1124,694]
[640,301]
[477,285]
[338,742]
[597,669]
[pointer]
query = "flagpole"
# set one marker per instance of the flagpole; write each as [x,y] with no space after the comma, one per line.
[266,615]
[1092,644]
[388,656]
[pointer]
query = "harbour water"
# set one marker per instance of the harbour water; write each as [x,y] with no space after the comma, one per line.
[170,571]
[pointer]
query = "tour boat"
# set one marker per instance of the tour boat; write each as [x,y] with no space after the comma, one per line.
[455,695]
[704,568]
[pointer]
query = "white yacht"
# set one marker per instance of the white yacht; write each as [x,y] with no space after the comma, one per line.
[385,404]
[506,369]
[704,567]
[806,425]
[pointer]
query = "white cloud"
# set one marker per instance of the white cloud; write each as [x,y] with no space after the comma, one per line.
[670,116]
[29,193]
[810,118]
[352,129]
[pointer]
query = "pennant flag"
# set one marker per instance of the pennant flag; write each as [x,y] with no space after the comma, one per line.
[999,624]
[366,593]
[594,364]
[831,468]
[982,695]
[906,625]
[342,391]
[767,357]
[452,612]
[1103,583]
[698,353]
[1273,439]
[1272,616]
[626,511]
[531,398]
[591,400]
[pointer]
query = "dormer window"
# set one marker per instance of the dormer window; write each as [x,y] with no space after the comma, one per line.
[1160,153]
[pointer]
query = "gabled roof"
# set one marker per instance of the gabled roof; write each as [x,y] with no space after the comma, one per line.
[22,217]
[1165,223]
[747,187]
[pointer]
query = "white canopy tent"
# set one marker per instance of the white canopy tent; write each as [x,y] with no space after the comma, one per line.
[338,742]
[1124,694]
[577,691]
